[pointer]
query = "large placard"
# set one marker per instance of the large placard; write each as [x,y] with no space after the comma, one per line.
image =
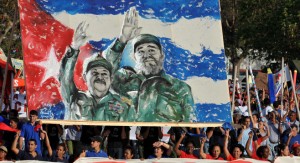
[125,60]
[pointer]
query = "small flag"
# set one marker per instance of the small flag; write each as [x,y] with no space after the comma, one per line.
[271,86]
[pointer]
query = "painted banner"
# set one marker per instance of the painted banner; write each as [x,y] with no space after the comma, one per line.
[125,60]
[166,160]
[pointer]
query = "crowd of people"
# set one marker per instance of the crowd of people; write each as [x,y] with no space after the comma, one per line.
[265,136]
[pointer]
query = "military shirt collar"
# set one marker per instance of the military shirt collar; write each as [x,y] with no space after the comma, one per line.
[104,99]
[162,74]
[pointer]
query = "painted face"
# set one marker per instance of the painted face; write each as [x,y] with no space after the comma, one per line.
[98,80]
[216,151]
[31,146]
[149,58]
[60,151]
[237,153]
[190,148]
[127,154]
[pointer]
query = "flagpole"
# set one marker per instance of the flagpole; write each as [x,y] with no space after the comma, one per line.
[295,78]
[233,93]
[248,92]
[283,76]
[295,96]
[11,89]
[256,92]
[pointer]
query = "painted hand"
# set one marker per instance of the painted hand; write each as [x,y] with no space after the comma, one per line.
[80,36]
[130,27]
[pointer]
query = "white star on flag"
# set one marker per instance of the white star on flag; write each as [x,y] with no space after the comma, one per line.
[51,66]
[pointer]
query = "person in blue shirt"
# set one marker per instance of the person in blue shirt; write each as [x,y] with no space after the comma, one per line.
[96,146]
[294,137]
[31,130]
[29,154]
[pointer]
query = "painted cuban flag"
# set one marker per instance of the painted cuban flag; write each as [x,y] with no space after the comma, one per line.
[189,30]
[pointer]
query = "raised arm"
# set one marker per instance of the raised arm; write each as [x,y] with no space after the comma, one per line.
[14,145]
[159,143]
[50,152]
[201,151]
[226,151]
[68,87]
[178,153]
[241,133]
[249,152]
[129,30]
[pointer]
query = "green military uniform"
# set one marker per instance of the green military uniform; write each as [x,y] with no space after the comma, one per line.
[82,105]
[160,98]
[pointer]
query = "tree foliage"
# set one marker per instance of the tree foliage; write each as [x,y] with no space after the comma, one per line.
[261,29]
[10,36]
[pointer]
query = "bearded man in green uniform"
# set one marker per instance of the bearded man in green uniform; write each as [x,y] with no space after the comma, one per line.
[157,96]
[98,103]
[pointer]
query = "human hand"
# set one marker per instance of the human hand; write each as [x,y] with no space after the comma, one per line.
[106,133]
[203,140]
[158,144]
[130,27]
[18,133]
[227,133]
[250,134]
[182,134]
[80,36]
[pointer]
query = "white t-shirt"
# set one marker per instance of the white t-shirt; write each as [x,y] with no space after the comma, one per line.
[242,110]
[267,110]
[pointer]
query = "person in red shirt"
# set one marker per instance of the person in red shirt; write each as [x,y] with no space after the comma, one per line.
[237,151]
[189,152]
[260,153]
[215,151]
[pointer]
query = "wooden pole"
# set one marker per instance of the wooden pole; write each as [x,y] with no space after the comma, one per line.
[114,123]
[295,96]
[233,93]
[283,78]
[256,93]
[248,93]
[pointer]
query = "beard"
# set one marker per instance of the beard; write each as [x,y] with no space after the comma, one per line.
[150,67]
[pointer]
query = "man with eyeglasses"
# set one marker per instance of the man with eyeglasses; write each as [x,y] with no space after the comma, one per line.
[96,148]
[157,96]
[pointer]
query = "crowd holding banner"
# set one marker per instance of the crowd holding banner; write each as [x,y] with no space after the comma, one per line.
[266,137]
[75,72]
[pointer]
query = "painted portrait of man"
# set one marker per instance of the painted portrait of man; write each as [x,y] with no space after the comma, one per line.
[131,60]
